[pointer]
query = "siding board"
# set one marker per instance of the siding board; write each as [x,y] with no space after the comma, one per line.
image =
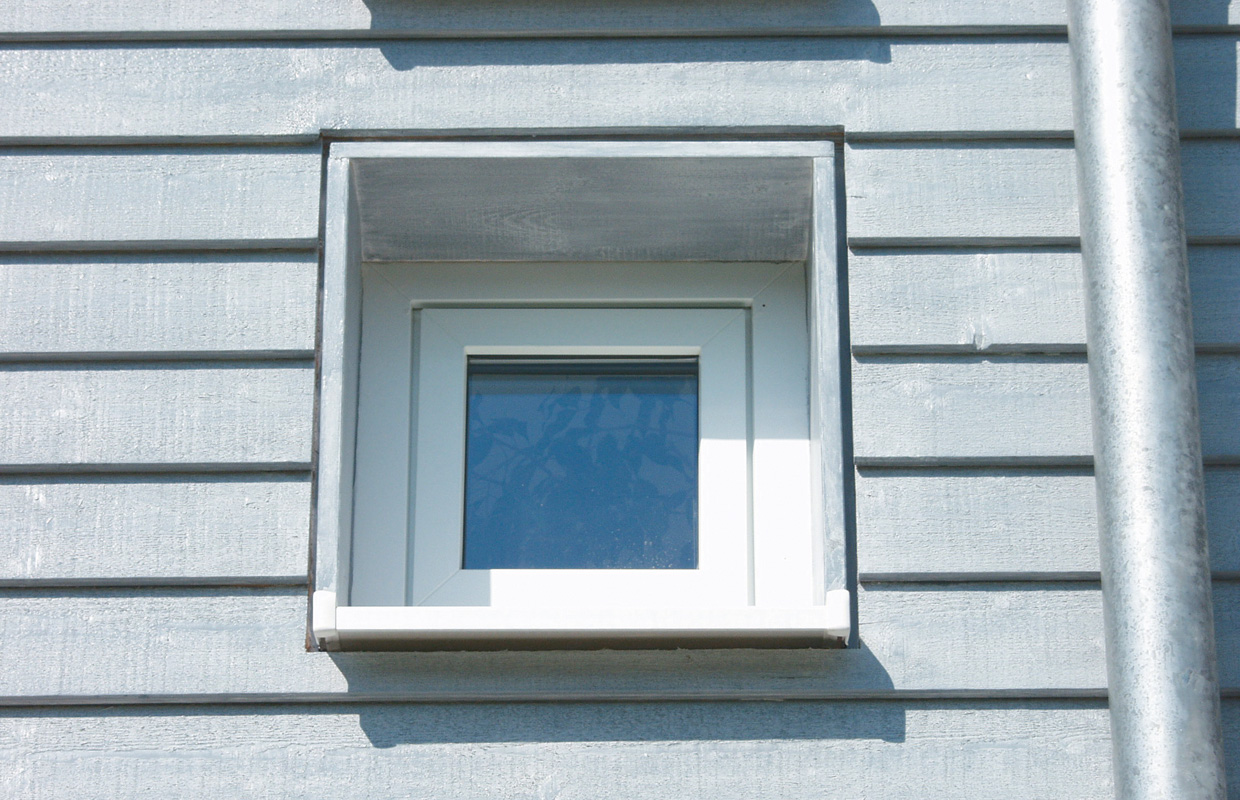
[978,299]
[128,414]
[997,408]
[1215,274]
[998,521]
[548,15]
[1218,390]
[970,190]
[982,637]
[1223,517]
[1205,12]
[156,195]
[1005,298]
[59,305]
[498,16]
[177,527]
[1044,751]
[961,190]
[271,89]
[1006,521]
[971,408]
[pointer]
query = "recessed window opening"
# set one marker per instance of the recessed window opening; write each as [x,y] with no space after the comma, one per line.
[580,393]
[581,463]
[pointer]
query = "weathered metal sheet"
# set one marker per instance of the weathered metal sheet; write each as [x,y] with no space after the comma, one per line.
[581,208]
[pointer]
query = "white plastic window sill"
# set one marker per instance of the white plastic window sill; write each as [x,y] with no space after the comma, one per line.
[482,627]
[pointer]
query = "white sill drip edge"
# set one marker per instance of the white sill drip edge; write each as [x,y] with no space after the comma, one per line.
[467,627]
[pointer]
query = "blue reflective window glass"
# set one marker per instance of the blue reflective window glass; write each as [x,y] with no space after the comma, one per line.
[575,464]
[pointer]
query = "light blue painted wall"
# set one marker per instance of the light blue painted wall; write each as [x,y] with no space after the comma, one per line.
[159,202]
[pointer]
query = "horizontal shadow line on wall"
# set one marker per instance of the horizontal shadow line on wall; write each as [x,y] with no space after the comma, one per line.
[171,468]
[161,246]
[172,582]
[1002,696]
[1009,349]
[158,356]
[1038,32]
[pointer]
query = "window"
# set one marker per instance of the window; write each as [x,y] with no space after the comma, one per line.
[581,463]
[567,397]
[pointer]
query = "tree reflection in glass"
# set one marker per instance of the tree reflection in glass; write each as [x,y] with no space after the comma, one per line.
[574,463]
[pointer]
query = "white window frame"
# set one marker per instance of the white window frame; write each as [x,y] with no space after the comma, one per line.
[772,570]
[448,336]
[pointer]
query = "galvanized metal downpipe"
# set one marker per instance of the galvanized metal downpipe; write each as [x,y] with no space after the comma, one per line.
[1161,667]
